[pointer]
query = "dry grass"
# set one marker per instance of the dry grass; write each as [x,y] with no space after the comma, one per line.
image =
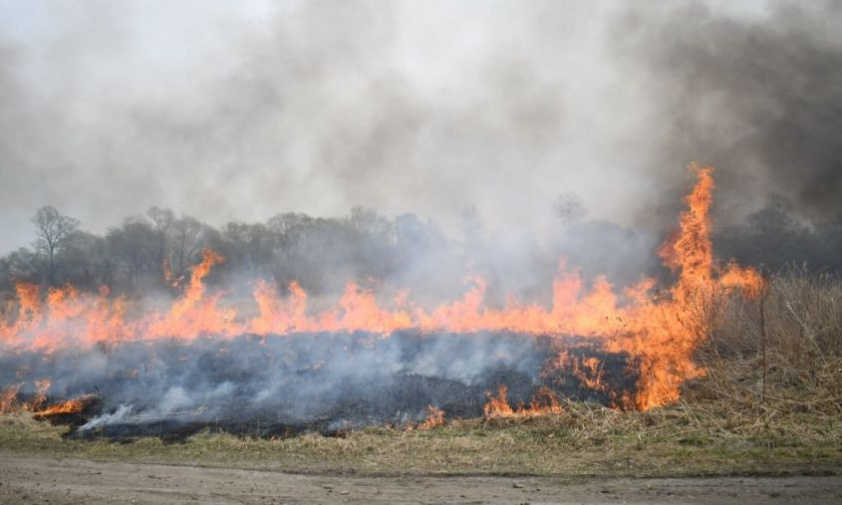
[781,354]
[585,440]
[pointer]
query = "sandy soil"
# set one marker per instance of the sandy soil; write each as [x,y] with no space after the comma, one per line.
[40,479]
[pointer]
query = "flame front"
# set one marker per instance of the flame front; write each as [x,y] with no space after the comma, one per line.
[660,334]
[543,402]
[69,407]
[435,418]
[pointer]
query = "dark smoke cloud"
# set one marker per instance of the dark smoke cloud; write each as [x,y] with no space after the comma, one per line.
[430,107]
[758,96]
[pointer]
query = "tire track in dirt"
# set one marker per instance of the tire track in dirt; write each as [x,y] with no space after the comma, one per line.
[43,479]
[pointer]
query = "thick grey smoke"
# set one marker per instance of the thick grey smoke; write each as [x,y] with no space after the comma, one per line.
[758,95]
[228,112]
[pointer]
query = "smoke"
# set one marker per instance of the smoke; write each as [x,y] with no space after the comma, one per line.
[758,95]
[230,112]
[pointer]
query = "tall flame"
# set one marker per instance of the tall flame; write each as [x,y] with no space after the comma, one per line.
[658,333]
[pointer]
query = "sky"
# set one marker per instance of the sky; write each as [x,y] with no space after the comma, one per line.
[242,110]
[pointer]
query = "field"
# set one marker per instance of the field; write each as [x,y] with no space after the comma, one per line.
[769,406]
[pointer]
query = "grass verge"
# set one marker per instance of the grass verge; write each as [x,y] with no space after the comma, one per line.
[586,440]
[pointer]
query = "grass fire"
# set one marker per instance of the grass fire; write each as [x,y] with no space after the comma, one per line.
[362,251]
[199,364]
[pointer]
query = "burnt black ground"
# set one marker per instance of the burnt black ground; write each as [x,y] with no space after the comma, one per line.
[327,382]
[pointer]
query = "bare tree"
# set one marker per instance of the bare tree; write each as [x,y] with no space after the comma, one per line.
[54,230]
[185,239]
[138,248]
[163,218]
[249,246]
[288,230]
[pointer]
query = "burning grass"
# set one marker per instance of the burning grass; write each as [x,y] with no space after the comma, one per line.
[362,364]
[710,379]
[769,403]
[778,355]
[656,333]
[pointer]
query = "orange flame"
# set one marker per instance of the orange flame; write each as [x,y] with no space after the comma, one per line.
[73,406]
[544,402]
[9,399]
[40,398]
[435,418]
[498,406]
[660,333]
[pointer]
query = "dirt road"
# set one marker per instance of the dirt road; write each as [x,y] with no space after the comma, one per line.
[40,479]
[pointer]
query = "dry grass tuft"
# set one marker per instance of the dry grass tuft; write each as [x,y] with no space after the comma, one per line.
[781,354]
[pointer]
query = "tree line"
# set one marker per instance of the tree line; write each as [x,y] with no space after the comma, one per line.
[153,251]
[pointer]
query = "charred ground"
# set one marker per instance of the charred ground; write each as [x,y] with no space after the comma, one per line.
[329,383]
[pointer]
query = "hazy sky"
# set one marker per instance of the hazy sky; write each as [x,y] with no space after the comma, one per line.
[241,110]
